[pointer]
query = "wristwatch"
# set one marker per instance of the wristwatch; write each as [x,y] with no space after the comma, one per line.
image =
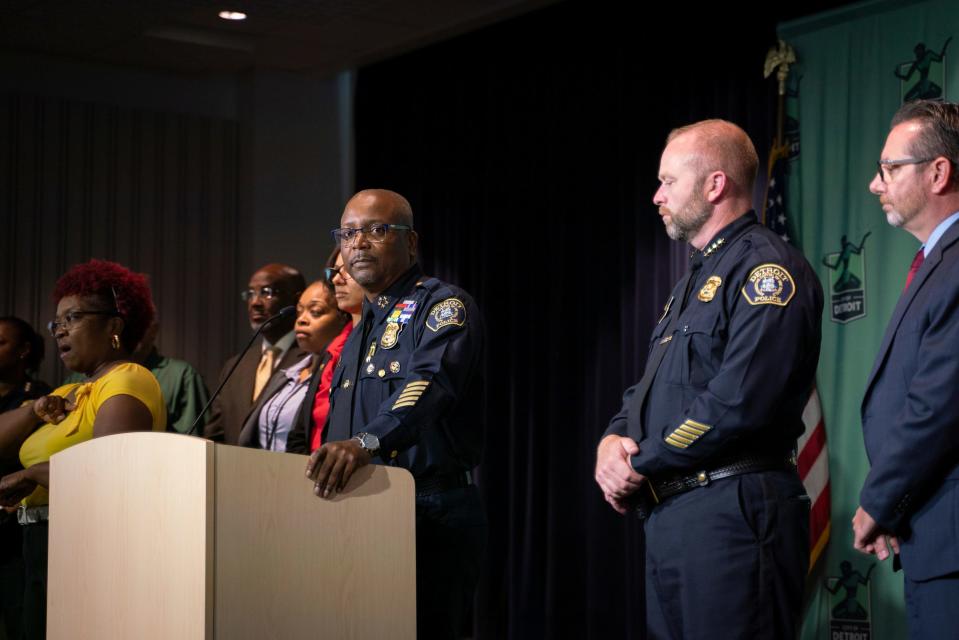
[369,442]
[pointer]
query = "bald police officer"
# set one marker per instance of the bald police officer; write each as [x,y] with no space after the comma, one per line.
[408,392]
[704,442]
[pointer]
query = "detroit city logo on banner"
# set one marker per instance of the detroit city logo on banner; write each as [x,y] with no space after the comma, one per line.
[850,604]
[848,289]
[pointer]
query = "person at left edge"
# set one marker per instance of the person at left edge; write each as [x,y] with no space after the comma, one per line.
[408,392]
[21,351]
[103,309]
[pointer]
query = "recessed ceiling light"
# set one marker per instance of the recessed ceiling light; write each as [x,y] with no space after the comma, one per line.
[232,15]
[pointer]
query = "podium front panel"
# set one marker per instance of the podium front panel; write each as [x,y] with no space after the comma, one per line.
[130,539]
[290,565]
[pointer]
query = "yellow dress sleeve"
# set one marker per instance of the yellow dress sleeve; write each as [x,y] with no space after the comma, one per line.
[136,381]
[125,379]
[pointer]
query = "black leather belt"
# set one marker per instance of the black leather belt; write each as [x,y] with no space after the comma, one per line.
[675,485]
[440,483]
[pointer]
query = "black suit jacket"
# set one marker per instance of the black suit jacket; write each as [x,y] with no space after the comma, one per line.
[232,407]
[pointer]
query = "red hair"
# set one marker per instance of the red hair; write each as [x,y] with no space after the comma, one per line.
[117,288]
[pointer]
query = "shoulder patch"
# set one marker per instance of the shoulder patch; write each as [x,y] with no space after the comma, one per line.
[443,314]
[769,284]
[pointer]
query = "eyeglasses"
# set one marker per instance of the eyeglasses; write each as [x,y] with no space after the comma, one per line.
[375,233]
[332,272]
[267,293]
[71,318]
[885,165]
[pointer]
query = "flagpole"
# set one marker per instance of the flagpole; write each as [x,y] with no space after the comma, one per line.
[779,59]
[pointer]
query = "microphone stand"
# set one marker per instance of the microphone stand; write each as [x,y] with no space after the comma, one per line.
[285,312]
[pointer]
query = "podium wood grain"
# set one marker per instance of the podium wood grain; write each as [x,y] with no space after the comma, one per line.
[158,535]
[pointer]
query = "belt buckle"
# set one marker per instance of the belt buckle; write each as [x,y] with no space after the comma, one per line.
[652,492]
[702,478]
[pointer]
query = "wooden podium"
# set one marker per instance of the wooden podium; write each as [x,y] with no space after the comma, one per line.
[159,535]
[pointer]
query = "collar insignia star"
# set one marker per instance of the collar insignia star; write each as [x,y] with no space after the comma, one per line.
[712,248]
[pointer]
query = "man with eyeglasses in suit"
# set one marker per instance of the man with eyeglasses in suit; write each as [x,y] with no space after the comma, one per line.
[408,392]
[909,503]
[271,288]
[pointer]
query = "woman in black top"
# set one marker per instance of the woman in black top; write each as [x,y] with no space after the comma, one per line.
[21,351]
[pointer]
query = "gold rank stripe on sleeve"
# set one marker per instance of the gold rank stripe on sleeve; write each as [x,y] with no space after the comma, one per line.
[687,434]
[413,391]
[676,443]
[699,426]
[411,394]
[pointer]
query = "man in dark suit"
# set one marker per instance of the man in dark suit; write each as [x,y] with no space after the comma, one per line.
[910,411]
[271,288]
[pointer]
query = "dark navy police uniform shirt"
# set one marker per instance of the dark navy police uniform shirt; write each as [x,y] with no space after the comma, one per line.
[411,374]
[740,359]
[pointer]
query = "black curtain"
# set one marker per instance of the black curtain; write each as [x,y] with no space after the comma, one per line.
[156,191]
[529,151]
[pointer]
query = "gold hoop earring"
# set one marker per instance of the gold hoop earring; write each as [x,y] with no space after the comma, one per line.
[115,342]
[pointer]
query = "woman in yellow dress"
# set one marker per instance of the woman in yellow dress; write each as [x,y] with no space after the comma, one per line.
[103,310]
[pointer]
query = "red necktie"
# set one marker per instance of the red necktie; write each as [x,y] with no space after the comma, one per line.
[914,267]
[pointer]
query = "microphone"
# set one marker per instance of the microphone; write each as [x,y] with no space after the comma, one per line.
[285,312]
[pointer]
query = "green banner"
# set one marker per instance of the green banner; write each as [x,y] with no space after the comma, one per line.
[855,66]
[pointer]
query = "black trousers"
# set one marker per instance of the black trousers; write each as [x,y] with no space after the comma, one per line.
[35,538]
[728,559]
[451,532]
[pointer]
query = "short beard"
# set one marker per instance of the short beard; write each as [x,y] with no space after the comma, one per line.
[907,211]
[685,224]
[895,219]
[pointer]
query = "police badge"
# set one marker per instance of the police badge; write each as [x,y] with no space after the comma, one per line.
[708,292]
[396,321]
[390,335]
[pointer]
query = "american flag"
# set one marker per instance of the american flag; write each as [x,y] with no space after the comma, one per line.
[813,457]
[774,211]
[813,461]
